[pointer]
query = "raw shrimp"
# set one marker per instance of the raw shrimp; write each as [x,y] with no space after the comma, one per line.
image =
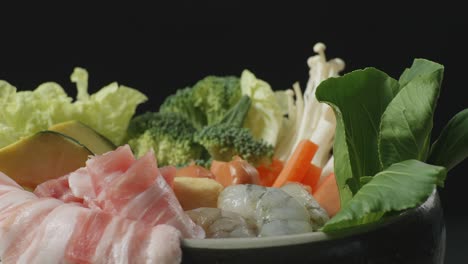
[241,199]
[278,213]
[218,223]
[274,211]
[318,215]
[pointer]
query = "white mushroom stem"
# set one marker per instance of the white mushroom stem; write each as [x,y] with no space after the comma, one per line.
[307,117]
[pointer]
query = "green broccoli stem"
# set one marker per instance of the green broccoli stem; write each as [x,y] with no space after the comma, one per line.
[237,114]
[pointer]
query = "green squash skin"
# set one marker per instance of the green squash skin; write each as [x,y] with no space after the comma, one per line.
[43,156]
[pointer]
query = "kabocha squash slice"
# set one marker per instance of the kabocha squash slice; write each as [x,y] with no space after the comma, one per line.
[45,155]
[87,136]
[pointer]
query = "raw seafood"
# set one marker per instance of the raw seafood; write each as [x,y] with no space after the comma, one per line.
[46,230]
[278,213]
[274,210]
[241,199]
[219,223]
[318,215]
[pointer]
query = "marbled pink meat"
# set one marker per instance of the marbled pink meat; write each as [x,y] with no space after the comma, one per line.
[135,189]
[46,230]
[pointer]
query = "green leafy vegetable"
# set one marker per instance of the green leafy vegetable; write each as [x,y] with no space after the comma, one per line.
[451,147]
[409,121]
[265,116]
[405,129]
[108,111]
[420,67]
[401,186]
[359,99]
[27,112]
[384,129]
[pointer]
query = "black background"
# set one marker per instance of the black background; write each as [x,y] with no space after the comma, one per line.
[160,48]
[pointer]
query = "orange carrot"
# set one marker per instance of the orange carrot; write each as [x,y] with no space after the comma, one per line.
[269,173]
[327,195]
[312,177]
[296,167]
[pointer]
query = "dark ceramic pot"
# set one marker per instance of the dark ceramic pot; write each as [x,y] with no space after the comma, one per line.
[414,236]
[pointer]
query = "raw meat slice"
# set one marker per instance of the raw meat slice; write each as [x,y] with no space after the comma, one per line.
[21,223]
[45,230]
[81,184]
[116,183]
[59,189]
[103,168]
[86,236]
[141,193]
[168,173]
[7,181]
[52,236]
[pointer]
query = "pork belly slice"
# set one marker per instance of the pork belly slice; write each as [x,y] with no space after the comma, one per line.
[7,181]
[118,184]
[103,238]
[126,241]
[59,189]
[19,225]
[141,193]
[103,168]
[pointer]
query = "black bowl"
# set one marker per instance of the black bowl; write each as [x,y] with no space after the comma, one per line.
[414,236]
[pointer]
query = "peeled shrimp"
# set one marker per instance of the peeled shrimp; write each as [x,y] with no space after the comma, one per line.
[278,213]
[318,215]
[218,223]
[274,210]
[241,199]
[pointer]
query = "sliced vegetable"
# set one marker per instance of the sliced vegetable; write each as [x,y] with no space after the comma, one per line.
[196,192]
[401,186]
[297,166]
[312,177]
[327,195]
[237,171]
[43,156]
[269,173]
[87,136]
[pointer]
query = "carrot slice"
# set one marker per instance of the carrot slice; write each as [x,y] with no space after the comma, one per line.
[269,173]
[298,164]
[312,177]
[327,195]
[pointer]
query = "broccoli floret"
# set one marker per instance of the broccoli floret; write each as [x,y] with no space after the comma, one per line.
[207,102]
[223,142]
[170,135]
[182,102]
[215,95]
[227,138]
